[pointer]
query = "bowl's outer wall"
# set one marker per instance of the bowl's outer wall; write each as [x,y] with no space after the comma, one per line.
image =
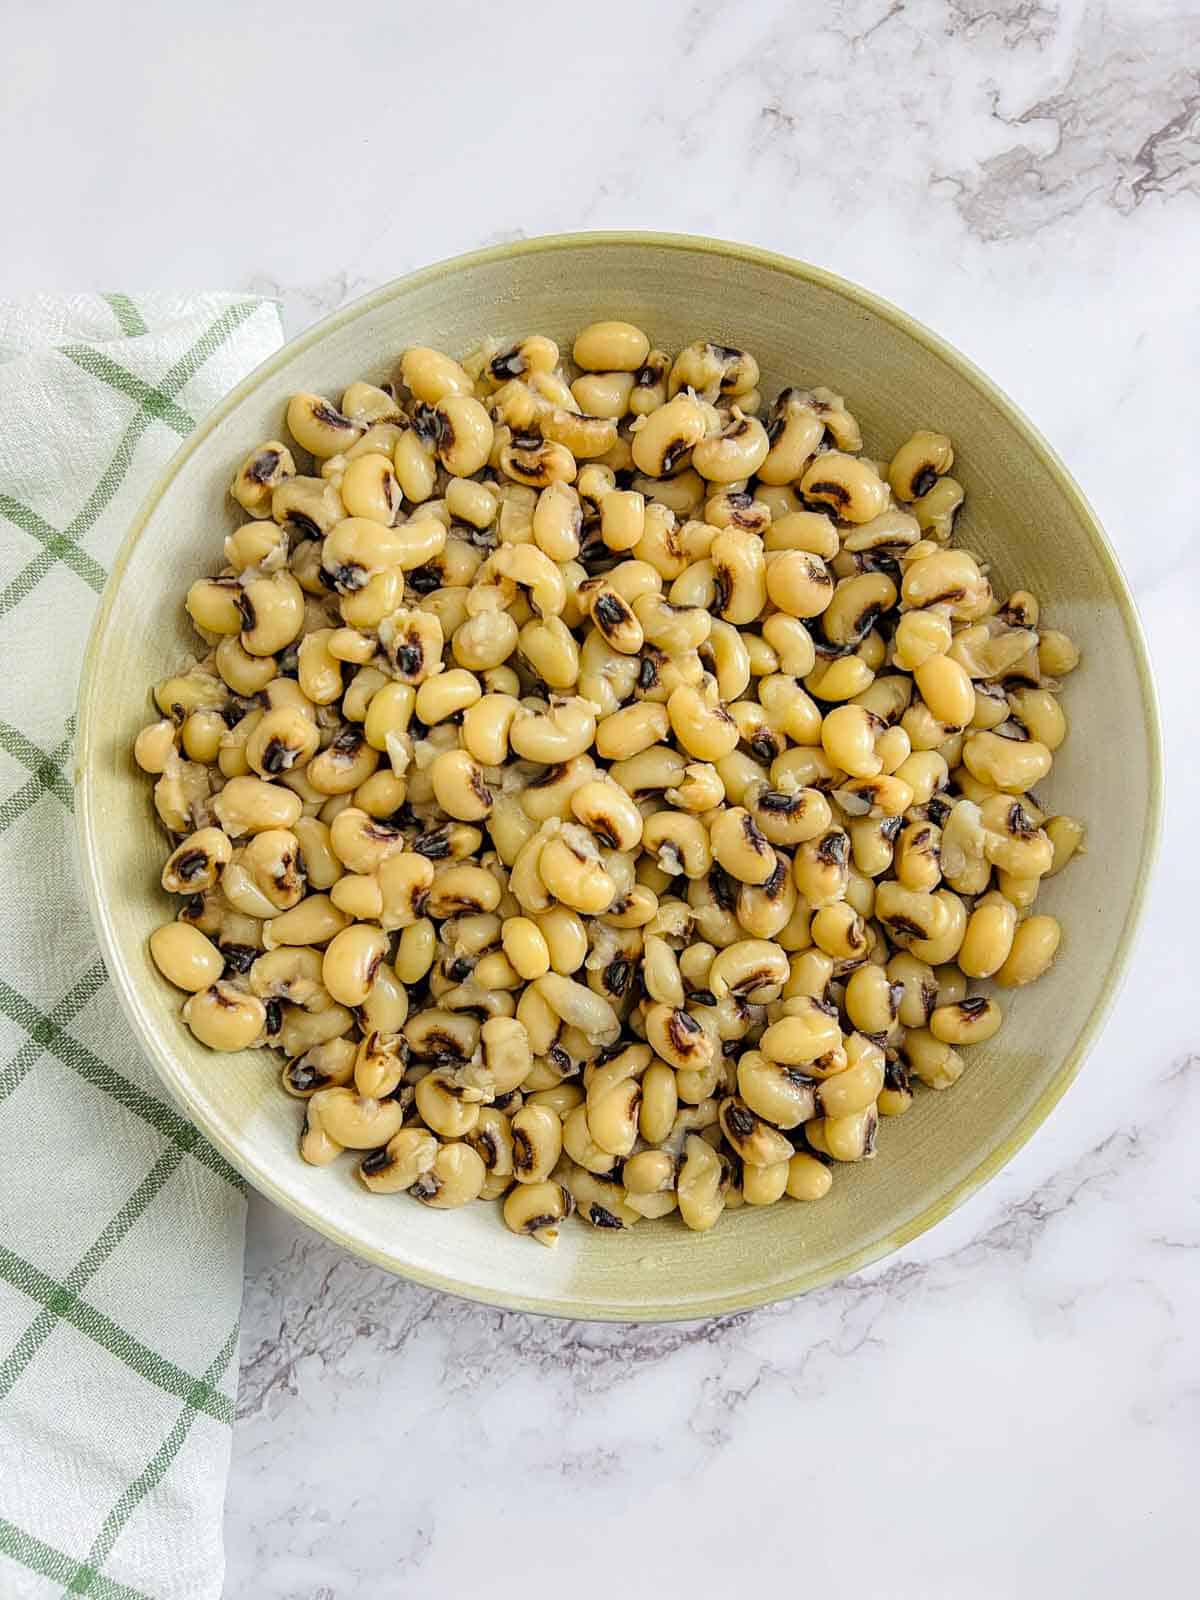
[1022,514]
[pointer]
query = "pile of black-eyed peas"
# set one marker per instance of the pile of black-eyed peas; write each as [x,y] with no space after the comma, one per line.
[603,789]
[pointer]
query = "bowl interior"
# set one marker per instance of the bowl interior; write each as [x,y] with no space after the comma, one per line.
[1022,513]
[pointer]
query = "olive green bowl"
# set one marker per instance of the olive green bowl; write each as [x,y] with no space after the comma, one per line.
[1023,513]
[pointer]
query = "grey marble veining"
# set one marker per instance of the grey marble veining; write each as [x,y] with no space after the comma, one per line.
[1010,1404]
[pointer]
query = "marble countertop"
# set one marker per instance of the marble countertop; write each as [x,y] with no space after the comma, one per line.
[1010,1405]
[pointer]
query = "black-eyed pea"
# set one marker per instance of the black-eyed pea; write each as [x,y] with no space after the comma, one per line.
[196,864]
[782,1095]
[537,1142]
[872,1000]
[808,1178]
[1057,653]
[676,1036]
[840,930]
[943,946]
[460,786]
[537,1209]
[704,730]
[807,1032]
[303,1031]
[701,1184]
[663,438]
[1034,947]
[798,583]
[283,738]
[579,1145]
[185,957]
[848,1138]
[1040,714]
[571,868]
[249,805]
[849,485]
[1011,765]
[751,1136]
[848,736]
[918,464]
[314,921]
[659,1102]
[840,678]
[444,1106]
[154,746]
[213,605]
[855,607]
[406,1158]
[431,375]
[947,690]
[529,459]
[272,612]
[918,988]
[324,1066]
[345,763]
[319,427]
[821,867]
[857,1088]
[351,961]
[610,347]
[578,1006]
[263,470]
[1066,835]
[455,1179]
[220,1016]
[918,856]
[969,1021]
[370,489]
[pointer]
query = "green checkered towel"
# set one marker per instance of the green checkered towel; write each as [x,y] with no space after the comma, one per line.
[120,1228]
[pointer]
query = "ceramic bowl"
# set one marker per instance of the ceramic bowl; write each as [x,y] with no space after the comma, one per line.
[1023,513]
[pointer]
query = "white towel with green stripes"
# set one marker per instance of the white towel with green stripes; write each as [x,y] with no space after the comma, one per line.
[120,1228]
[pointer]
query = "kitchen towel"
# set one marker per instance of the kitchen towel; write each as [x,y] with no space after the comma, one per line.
[121,1229]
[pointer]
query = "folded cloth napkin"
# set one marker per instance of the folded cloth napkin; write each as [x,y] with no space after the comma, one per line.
[121,1230]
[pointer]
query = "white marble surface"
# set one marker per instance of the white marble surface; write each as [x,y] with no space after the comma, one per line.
[1010,1406]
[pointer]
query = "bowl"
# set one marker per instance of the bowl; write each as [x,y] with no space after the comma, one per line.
[1023,513]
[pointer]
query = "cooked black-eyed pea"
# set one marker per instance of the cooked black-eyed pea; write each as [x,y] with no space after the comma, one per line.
[856,1088]
[918,988]
[455,1179]
[807,1032]
[918,856]
[701,1184]
[1066,836]
[678,843]
[415,467]
[564,730]
[989,937]
[705,731]
[782,1095]
[526,948]
[872,1000]
[291,973]
[798,583]
[213,605]
[154,746]
[807,1177]
[318,669]
[1012,765]
[282,739]
[303,1030]
[735,453]
[947,690]
[713,370]
[610,347]
[613,616]
[222,1017]
[820,867]
[260,475]
[660,972]
[249,805]
[445,1106]
[840,930]
[909,914]
[537,1209]
[460,787]
[920,461]
[536,462]
[848,484]
[578,1006]
[609,813]
[848,736]
[458,886]
[1057,653]
[966,1022]
[676,1036]
[649,1173]
[196,864]
[272,611]
[740,846]
[269,871]
[765,910]
[848,1138]
[636,730]
[839,678]
[370,489]
[537,1142]
[659,1102]
[406,1158]
[344,764]
[431,375]
[315,920]
[578,1143]
[604,394]
[752,969]
[662,439]
[185,957]
[963,847]
[351,961]
[572,870]
[1034,947]
[855,607]
[943,946]
[243,673]
[920,637]
[1040,714]
[319,427]
[1023,892]
[650,383]
[751,1136]
[599,1199]
[492,1140]
[324,1066]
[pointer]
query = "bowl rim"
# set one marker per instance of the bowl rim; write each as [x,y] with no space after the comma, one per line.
[803,1279]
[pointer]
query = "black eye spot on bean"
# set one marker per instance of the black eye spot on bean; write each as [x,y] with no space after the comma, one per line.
[833,850]
[610,611]
[330,415]
[262,468]
[601,1217]
[923,480]
[190,865]
[617,975]
[375,1161]
[239,958]
[511,364]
